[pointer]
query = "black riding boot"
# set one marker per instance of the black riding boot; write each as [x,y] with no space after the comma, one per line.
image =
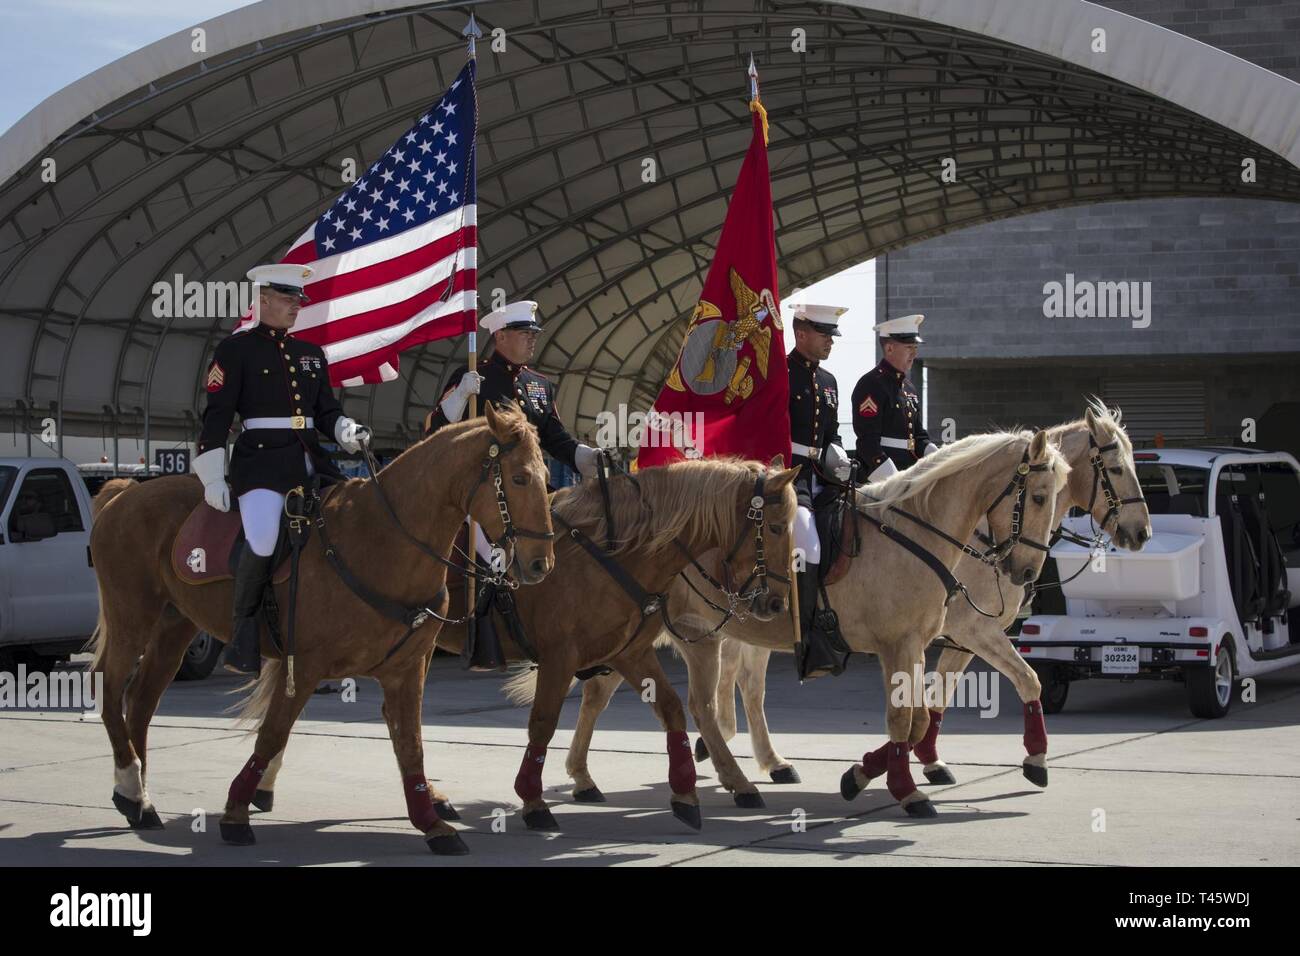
[822,650]
[244,652]
[483,651]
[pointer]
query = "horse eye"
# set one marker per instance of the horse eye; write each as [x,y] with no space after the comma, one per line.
[1039,499]
[777,529]
[520,479]
[1116,471]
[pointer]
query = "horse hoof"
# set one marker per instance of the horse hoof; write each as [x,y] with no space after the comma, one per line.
[785,775]
[922,809]
[940,776]
[264,800]
[237,834]
[749,801]
[445,810]
[590,795]
[127,807]
[149,820]
[449,844]
[849,785]
[701,750]
[1035,774]
[688,813]
[540,819]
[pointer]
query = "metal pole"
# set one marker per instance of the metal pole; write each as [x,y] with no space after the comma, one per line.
[471,33]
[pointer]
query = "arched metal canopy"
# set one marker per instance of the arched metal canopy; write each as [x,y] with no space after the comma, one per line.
[171,162]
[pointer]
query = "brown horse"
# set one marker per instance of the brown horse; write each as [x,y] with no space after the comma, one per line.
[148,616]
[888,603]
[662,520]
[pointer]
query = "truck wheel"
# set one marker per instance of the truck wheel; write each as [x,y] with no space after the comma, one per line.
[200,657]
[1055,691]
[1209,689]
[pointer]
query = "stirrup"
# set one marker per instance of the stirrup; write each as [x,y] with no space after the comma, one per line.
[243,655]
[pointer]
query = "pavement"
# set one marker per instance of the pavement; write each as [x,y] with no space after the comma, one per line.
[1134,780]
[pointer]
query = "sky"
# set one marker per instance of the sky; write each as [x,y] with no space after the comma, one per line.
[47,44]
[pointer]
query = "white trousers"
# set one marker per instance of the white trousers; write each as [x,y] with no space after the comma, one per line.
[481,545]
[260,511]
[805,536]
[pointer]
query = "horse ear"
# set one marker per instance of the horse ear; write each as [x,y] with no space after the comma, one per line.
[1090,417]
[776,462]
[494,420]
[783,478]
[1038,446]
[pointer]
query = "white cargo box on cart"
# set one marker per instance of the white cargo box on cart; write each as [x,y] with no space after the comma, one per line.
[1167,569]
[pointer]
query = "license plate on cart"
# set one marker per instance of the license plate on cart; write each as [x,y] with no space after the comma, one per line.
[1119,659]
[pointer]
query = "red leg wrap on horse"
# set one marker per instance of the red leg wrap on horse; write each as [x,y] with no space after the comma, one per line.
[244,786]
[528,783]
[875,762]
[1035,729]
[681,763]
[899,778]
[926,749]
[419,804]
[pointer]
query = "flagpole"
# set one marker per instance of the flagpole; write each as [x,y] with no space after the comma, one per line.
[794,590]
[472,33]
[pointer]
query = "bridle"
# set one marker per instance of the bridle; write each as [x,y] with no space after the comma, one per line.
[657,603]
[489,470]
[1016,487]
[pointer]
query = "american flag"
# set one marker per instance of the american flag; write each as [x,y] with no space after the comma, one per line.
[395,257]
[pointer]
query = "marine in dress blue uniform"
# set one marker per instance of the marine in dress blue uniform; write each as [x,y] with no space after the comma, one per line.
[279,387]
[816,451]
[887,407]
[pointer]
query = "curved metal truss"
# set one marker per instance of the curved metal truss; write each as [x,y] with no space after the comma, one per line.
[610,138]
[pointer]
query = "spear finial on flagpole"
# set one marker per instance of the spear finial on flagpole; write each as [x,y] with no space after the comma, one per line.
[473,32]
[755,105]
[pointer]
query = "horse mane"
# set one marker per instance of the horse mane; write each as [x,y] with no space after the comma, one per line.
[1113,419]
[913,486]
[693,498]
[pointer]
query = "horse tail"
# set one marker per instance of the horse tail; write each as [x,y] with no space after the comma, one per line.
[98,643]
[111,489]
[252,708]
[521,688]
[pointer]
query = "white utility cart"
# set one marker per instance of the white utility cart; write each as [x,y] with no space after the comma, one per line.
[1207,601]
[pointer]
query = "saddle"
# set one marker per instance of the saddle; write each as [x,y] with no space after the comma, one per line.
[838,533]
[209,543]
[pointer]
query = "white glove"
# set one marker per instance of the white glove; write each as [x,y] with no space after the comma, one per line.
[453,406]
[585,458]
[929,448]
[211,469]
[350,435]
[883,471]
[837,462]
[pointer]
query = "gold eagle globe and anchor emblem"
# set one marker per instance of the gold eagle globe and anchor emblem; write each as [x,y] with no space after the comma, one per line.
[710,356]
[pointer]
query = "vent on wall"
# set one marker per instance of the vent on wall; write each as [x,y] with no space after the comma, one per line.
[1174,409]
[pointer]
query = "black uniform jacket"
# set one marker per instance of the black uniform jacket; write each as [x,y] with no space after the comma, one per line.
[266,373]
[814,416]
[887,405]
[504,384]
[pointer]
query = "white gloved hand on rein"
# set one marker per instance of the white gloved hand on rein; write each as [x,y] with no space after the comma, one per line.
[350,434]
[837,462]
[211,470]
[585,460]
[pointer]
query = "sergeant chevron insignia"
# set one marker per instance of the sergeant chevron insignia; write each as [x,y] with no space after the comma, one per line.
[868,408]
[216,378]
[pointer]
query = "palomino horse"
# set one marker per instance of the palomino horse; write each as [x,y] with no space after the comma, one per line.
[490,468]
[661,521]
[952,490]
[1103,482]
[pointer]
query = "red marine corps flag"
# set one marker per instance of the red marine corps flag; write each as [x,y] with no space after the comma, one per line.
[730,377]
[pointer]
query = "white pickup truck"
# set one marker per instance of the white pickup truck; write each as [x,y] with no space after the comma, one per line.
[1208,601]
[48,599]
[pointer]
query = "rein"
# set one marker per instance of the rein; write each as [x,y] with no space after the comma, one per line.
[415,617]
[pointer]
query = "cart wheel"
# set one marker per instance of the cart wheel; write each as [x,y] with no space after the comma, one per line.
[1209,689]
[1055,691]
